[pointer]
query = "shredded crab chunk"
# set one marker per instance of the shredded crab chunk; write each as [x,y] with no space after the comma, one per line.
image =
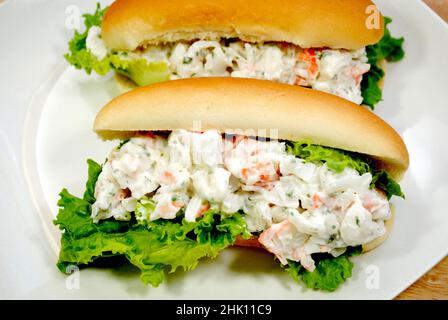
[334,71]
[298,208]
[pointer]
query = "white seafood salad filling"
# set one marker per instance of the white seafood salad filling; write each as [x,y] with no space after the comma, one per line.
[296,208]
[334,71]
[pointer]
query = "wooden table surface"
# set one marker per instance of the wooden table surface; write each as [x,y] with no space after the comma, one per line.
[439,6]
[434,284]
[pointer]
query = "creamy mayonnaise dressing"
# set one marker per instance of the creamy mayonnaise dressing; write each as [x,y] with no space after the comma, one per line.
[297,208]
[335,71]
[95,43]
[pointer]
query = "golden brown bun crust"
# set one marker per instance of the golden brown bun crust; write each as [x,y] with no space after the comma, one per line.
[129,24]
[228,104]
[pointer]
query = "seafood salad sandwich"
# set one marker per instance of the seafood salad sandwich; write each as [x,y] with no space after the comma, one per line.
[336,46]
[207,163]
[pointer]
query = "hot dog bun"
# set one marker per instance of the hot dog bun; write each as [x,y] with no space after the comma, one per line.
[339,24]
[227,104]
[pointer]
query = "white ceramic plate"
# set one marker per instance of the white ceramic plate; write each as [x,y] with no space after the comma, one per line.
[46,113]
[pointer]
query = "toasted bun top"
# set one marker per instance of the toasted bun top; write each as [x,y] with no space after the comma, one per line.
[259,108]
[129,24]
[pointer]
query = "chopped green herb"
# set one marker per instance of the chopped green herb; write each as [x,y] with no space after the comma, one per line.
[187,60]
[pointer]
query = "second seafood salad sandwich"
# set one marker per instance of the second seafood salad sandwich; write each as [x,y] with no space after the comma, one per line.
[337,47]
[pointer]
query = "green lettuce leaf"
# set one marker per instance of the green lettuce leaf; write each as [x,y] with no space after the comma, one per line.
[370,88]
[143,209]
[78,54]
[329,274]
[390,49]
[140,71]
[337,160]
[94,172]
[155,248]
[384,181]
